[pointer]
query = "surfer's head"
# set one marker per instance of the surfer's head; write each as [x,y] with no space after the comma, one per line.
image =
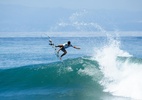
[69,42]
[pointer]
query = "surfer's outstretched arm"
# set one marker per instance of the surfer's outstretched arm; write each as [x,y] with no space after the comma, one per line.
[76,47]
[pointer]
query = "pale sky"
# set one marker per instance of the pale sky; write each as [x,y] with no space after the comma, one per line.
[40,20]
[131,5]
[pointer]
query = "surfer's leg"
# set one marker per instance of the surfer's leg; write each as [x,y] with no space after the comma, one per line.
[60,45]
[64,53]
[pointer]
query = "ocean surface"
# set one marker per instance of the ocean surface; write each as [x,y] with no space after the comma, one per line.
[105,68]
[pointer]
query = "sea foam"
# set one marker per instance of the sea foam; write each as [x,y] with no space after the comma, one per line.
[121,78]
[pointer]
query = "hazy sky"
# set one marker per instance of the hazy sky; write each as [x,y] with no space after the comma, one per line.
[19,18]
[79,4]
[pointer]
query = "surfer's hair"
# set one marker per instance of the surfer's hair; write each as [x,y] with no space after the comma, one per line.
[69,42]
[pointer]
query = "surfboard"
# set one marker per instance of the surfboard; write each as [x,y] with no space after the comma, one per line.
[51,43]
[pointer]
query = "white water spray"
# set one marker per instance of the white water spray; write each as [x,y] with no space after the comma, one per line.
[121,78]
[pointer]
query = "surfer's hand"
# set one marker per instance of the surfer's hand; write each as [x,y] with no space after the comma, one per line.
[76,47]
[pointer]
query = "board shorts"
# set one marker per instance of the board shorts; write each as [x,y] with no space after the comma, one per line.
[63,49]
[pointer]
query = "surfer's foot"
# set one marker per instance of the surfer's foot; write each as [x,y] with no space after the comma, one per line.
[60,58]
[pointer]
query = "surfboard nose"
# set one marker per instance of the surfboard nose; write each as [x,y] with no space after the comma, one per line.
[50,40]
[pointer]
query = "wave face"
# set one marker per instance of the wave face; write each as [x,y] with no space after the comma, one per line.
[85,74]
[74,77]
[44,75]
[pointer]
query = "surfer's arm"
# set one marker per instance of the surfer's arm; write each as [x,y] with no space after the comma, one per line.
[76,47]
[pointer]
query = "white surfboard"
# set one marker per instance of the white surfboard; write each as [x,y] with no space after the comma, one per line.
[51,43]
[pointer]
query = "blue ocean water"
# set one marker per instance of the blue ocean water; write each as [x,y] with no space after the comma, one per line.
[105,68]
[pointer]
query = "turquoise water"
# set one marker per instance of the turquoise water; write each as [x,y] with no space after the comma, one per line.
[102,69]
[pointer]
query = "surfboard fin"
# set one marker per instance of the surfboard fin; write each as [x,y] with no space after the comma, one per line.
[51,43]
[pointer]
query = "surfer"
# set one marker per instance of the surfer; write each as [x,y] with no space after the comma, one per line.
[64,46]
